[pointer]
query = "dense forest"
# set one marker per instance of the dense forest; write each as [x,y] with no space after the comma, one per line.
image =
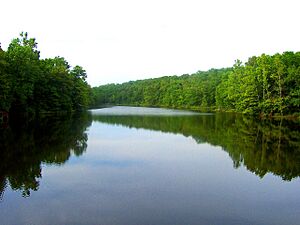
[267,85]
[32,85]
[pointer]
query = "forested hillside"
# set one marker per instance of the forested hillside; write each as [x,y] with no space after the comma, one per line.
[266,85]
[30,84]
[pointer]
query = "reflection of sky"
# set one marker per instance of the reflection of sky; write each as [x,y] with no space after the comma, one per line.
[130,176]
[143,111]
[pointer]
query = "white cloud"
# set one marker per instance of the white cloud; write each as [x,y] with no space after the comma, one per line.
[121,40]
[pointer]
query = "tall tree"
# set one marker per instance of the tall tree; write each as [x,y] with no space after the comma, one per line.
[23,58]
[6,83]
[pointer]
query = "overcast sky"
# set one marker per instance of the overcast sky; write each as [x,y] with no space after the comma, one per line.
[121,40]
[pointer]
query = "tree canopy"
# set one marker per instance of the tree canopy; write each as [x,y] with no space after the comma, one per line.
[266,85]
[31,84]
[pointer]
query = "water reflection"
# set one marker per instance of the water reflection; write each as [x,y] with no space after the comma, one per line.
[50,140]
[261,146]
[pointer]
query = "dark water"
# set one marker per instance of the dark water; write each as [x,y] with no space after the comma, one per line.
[139,166]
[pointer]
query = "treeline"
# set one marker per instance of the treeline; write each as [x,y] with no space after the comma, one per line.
[266,85]
[30,84]
[186,91]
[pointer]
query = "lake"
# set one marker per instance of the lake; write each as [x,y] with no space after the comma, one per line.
[146,166]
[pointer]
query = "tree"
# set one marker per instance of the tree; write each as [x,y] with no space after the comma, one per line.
[5,84]
[264,85]
[23,58]
[79,73]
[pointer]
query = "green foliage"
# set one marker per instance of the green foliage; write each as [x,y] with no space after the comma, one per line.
[5,84]
[186,91]
[23,59]
[30,84]
[266,85]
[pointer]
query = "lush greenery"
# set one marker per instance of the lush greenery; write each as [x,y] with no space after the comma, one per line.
[186,91]
[261,146]
[30,84]
[266,85]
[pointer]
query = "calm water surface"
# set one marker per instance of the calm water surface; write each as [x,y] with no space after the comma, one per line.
[146,166]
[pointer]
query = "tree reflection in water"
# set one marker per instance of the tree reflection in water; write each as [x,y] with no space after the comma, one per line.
[50,140]
[261,146]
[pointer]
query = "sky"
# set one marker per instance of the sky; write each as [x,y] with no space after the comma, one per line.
[121,40]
